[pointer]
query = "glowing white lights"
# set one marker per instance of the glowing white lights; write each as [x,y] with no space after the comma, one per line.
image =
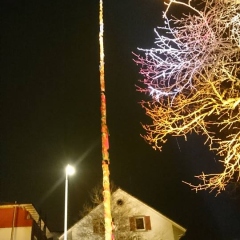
[70,170]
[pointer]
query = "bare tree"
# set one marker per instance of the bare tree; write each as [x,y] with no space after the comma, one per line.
[192,74]
[96,198]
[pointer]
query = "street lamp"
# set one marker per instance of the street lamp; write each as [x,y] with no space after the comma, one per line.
[69,171]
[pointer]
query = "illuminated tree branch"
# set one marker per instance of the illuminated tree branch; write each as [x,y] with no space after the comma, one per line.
[192,74]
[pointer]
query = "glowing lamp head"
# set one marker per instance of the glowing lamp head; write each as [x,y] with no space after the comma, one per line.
[70,170]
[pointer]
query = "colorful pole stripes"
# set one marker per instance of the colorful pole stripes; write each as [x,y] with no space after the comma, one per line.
[104,131]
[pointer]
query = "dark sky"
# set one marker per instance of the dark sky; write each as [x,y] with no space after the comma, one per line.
[50,116]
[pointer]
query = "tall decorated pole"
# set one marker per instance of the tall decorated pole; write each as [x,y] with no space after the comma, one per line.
[105,142]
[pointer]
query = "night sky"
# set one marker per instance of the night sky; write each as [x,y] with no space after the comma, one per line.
[50,116]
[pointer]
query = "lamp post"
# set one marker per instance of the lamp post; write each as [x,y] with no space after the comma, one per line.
[69,171]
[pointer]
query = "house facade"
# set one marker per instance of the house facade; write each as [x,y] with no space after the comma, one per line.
[22,222]
[132,219]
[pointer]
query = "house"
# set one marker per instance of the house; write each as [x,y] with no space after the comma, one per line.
[132,219]
[22,222]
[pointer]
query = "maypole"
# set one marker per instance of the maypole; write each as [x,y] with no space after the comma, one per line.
[105,143]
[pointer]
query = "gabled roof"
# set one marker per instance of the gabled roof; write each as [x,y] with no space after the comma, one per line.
[32,211]
[119,191]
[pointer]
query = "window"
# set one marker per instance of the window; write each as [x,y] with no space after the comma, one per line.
[98,226]
[140,223]
[120,202]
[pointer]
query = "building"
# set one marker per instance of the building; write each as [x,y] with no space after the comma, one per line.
[132,219]
[22,222]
